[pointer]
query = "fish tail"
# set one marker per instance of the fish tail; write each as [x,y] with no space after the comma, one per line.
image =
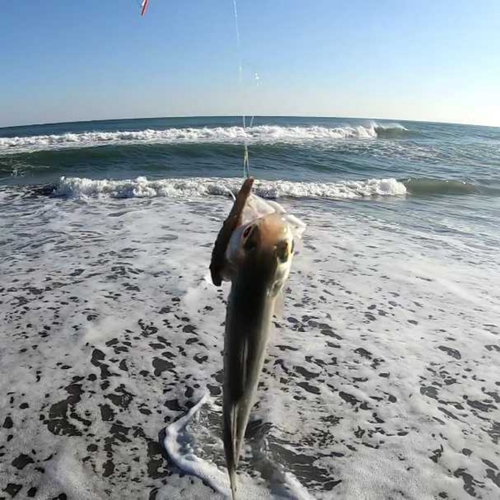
[231,448]
[232,480]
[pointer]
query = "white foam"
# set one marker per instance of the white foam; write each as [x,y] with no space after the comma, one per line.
[406,366]
[263,134]
[208,472]
[388,126]
[65,472]
[141,187]
[190,463]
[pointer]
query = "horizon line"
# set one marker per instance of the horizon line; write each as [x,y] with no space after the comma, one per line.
[41,124]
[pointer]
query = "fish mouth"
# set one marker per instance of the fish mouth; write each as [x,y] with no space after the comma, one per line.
[261,268]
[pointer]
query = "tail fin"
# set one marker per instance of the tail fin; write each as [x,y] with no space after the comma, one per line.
[232,479]
[230,447]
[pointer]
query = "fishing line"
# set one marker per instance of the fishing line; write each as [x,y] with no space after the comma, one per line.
[246,159]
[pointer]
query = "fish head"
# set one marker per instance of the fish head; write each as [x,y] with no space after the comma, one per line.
[264,249]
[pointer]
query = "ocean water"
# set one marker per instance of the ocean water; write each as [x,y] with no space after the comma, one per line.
[382,377]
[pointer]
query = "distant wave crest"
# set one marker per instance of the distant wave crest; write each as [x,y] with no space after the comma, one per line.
[76,187]
[263,134]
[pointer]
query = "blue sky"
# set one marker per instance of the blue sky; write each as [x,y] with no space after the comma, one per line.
[435,60]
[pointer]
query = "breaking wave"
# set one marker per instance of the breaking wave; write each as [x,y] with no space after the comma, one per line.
[141,187]
[263,134]
[200,187]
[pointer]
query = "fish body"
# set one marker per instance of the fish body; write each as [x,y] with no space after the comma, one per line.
[258,257]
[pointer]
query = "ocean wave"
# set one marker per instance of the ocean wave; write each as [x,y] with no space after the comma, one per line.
[425,186]
[141,187]
[263,134]
[391,130]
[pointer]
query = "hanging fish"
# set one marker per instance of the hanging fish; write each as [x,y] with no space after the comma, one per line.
[254,251]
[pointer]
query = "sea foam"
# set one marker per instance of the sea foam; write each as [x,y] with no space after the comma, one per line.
[379,380]
[141,187]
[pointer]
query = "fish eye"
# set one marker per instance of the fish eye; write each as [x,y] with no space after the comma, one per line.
[282,251]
